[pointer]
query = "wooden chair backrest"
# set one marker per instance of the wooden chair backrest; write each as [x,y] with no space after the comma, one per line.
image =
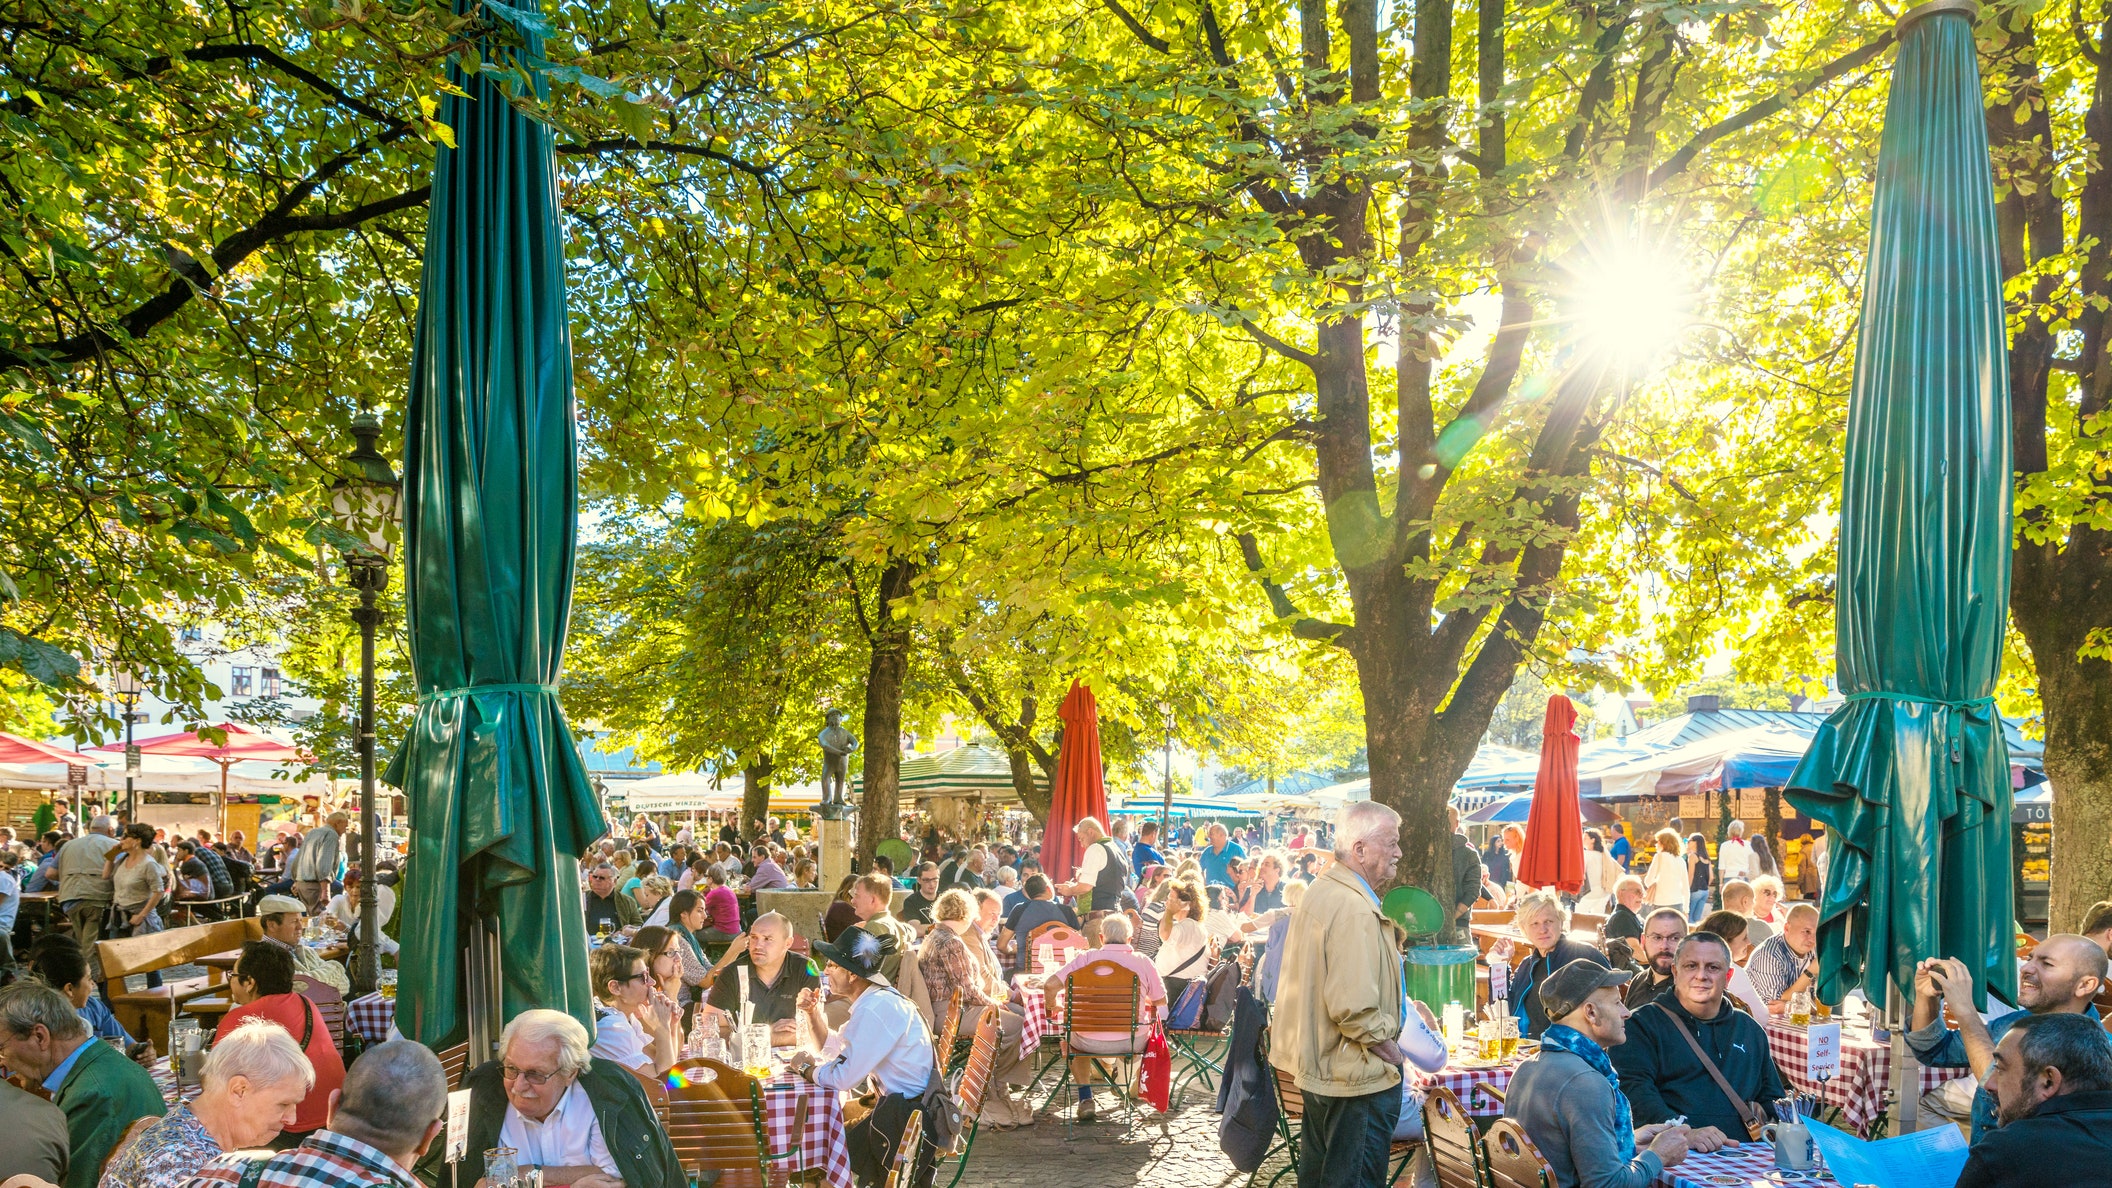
[1586,922]
[1289,1097]
[328,1001]
[1514,1162]
[454,1062]
[1493,916]
[1102,996]
[1058,936]
[1455,1152]
[124,1140]
[949,1027]
[906,1150]
[174,946]
[982,1057]
[714,1120]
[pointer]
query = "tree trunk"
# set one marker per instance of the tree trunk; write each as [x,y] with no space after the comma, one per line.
[879,809]
[2058,597]
[755,798]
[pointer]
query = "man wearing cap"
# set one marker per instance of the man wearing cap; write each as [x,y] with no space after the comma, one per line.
[884,1038]
[1569,1098]
[282,917]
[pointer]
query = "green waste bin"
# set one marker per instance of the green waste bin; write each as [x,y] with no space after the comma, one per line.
[1438,974]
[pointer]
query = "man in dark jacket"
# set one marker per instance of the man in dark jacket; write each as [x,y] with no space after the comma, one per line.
[1659,950]
[1660,1070]
[591,1123]
[2052,1084]
[1466,873]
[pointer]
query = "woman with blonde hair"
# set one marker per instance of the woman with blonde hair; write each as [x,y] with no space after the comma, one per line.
[1667,880]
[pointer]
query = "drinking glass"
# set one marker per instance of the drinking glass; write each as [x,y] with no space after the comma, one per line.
[1510,1036]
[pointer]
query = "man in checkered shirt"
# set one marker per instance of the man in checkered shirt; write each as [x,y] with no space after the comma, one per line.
[392,1107]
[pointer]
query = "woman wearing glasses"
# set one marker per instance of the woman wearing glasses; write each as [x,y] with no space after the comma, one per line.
[634,1024]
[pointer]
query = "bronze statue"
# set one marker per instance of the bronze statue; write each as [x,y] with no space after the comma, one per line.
[836,747]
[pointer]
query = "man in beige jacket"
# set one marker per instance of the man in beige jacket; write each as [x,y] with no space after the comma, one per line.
[1337,1026]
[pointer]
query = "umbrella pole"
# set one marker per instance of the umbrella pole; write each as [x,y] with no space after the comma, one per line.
[480,963]
[1906,1070]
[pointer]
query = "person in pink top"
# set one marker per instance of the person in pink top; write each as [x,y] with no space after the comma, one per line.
[1114,935]
[722,913]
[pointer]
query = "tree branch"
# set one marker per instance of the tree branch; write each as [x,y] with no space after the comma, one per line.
[1278,345]
[1678,161]
[1302,626]
[1136,26]
[622,144]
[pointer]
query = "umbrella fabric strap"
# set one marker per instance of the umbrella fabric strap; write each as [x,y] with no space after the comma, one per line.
[1968,703]
[472,690]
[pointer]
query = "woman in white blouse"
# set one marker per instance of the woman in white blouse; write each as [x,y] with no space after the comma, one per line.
[1184,945]
[1667,880]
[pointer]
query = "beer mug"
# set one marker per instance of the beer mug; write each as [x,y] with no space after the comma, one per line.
[1792,1142]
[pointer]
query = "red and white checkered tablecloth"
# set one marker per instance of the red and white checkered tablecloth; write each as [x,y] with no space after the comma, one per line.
[822,1145]
[1466,1084]
[1745,1165]
[1866,1072]
[1038,1022]
[165,1080]
[371,1016]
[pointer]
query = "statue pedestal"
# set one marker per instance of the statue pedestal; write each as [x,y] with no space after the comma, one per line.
[835,835]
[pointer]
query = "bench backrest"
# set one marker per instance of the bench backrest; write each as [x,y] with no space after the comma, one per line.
[174,946]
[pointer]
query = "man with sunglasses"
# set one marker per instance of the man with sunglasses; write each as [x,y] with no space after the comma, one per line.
[583,1121]
[606,906]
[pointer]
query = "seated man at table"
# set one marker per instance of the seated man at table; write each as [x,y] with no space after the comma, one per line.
[1115,947]
[2051,1082]
[769,871]
[607,908]
[281,917]
[871,896]
[884,1038]
[1785,965]
[253,1082]
[344,907]
[1663,929]
[1545,923]
[93,1084]
[917,908]
[582,1121]
[1568,1097]
[1038,908]
[2060,977]
[261,987]
[774,977]
[1738,897]
[1623,923]
[1662,1064]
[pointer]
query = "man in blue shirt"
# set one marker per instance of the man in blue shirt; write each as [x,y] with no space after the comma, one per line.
[1187,834]
[2061,976]
[1620,850]
[46,875]
[1215,857]
[1144,853]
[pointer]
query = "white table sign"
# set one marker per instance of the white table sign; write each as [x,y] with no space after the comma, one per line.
[1823,1055]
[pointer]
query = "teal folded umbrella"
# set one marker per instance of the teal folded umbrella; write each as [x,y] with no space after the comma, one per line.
[1911,776]
[500,805]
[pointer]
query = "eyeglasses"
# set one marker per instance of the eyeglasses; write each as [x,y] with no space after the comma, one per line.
[534,1077]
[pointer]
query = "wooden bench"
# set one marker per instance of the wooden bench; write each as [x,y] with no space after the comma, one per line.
[146,1013]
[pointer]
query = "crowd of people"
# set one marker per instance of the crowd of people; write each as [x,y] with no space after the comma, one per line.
[1650,1029]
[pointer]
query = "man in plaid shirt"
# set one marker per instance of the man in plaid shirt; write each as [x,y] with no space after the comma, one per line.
[392,1107]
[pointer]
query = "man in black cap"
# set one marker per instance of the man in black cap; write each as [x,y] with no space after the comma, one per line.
[884,1038]
[1568,1097]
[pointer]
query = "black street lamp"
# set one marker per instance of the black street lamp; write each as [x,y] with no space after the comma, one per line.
[125,683]
[364,504]
[1166,808]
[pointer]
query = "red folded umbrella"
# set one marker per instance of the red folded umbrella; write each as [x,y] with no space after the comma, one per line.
[16,749]
[1554,831]
[1079,792]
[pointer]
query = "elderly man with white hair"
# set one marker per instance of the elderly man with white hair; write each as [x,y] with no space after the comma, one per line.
[1343,1023]
[253,1084]
[582,1121]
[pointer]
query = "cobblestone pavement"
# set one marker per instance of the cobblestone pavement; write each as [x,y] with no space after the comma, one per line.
[1113,1154]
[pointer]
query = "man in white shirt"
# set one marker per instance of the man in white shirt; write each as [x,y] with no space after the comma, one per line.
[344,908]
[1734,858]
[885,1038]
[281,919]
[584,1122]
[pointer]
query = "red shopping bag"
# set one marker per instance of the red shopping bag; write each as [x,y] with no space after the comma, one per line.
[1155,1072]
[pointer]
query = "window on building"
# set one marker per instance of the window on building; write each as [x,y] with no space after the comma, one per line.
[190,634]
[242,685]
[271,682]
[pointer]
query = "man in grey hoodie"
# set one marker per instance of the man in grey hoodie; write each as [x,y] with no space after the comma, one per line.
[1569,1098]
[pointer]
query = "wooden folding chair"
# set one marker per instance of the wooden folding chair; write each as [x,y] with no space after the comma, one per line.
[714,1118]
[975,1082]
[454,1062]
[906,1150]
[1513,1160]
[1058,936]
[327,1000]
[1103,997]
[1455,1153]
[949,1026]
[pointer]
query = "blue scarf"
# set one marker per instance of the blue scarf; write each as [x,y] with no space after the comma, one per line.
[1584,1048]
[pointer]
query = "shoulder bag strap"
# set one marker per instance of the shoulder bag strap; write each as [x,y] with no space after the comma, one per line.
[1192,958]
[1745,1110]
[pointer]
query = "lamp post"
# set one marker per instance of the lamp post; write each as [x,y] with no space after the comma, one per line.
[364,504]
[1166,807]
[125,682]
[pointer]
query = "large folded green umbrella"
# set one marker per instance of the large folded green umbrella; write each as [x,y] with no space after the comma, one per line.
[500,804]
[1911,775]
